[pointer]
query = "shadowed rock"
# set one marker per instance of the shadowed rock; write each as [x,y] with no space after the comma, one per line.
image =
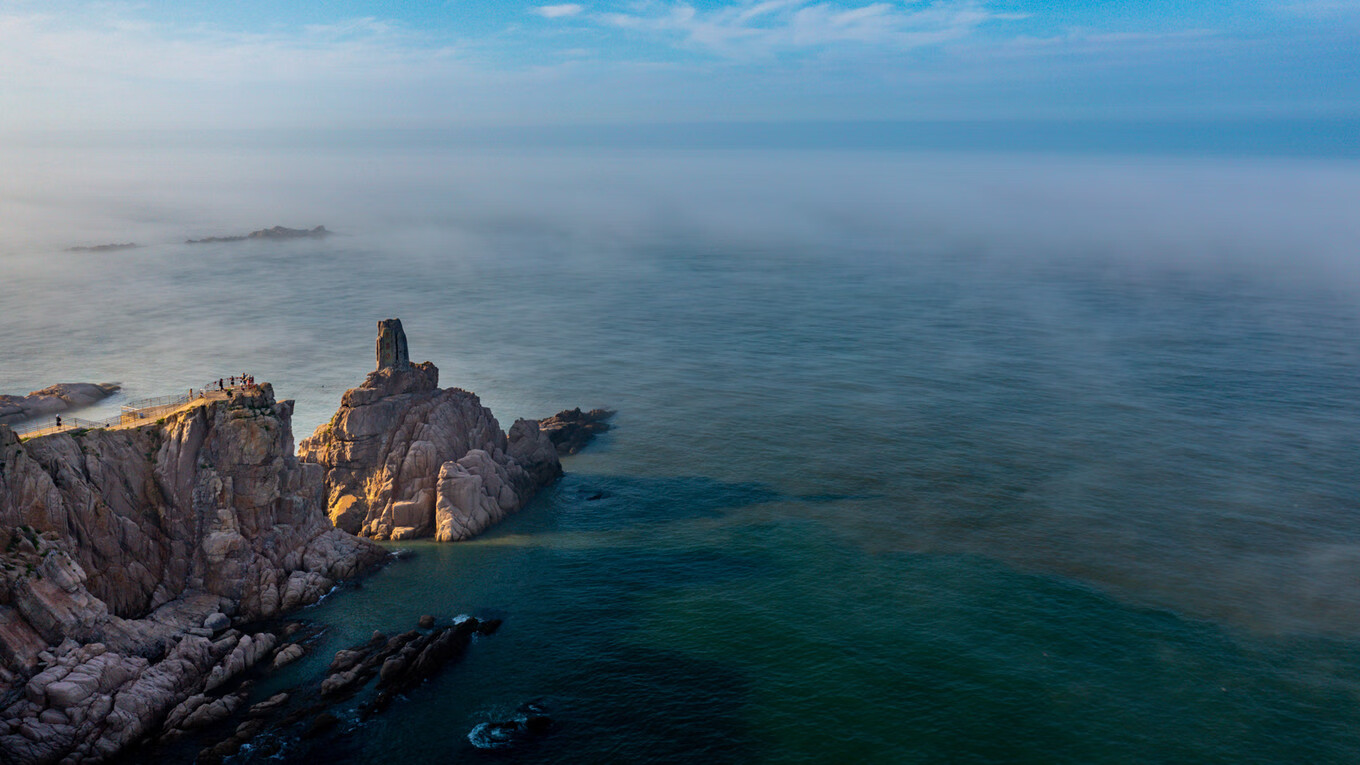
[571,429]
[392,351]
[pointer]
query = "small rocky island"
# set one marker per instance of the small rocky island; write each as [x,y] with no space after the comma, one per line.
[277,232]
[53,399]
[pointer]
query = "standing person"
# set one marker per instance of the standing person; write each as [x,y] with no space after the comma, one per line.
[58,422]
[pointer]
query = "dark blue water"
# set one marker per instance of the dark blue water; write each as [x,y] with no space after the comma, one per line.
[917,459]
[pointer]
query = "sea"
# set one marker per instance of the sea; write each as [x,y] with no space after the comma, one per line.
[942,455]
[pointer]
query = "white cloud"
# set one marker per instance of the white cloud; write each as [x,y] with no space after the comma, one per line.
[112,72]
[768,26]
[558,11]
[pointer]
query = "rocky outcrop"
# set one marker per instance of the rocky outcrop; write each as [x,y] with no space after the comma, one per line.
[277,232]
[404,458]
[571,429]
[53,399]
[399,663]
[126,551]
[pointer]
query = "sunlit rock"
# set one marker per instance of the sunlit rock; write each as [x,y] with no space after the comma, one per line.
[405,458]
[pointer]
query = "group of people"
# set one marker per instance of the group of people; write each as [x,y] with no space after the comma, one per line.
[248,381]
[227,384]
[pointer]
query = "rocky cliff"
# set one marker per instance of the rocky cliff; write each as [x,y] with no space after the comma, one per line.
[405,458]
[128,553]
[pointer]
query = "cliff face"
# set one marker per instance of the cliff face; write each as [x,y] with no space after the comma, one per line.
[405,458]
[124,551]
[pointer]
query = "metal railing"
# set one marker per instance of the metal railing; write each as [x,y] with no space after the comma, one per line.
[152,403]
[133,413]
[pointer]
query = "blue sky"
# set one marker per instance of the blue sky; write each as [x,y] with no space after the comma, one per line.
[356,63]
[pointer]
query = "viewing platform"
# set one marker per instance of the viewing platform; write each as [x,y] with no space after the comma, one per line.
[137,413]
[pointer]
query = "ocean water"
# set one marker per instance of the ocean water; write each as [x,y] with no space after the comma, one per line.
[918,457]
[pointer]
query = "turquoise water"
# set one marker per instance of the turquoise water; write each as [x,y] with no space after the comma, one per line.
[917,459]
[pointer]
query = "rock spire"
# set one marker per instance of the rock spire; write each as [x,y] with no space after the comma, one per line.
[392,351]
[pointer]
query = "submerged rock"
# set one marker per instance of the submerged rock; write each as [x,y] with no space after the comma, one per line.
[404,458]
[320,724]
[530,721]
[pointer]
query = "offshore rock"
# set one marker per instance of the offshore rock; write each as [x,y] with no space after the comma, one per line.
[277,232]
[104,247]
[404,458]
[571,430]
[122,551]
[52,400]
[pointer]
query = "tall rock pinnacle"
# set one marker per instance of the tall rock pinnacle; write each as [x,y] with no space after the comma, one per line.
[392,345]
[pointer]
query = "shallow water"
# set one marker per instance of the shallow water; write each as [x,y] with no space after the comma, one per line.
[917,459]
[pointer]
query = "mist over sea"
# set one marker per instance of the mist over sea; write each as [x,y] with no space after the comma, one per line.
[920,456]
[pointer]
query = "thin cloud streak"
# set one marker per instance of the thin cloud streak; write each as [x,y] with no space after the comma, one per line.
[765,28]
[559,11]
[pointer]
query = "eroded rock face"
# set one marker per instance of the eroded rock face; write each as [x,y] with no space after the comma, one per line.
[392,345]
[123,552]
[405,458]
[53,399]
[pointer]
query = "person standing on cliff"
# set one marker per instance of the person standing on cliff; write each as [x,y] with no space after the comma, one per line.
[58,422]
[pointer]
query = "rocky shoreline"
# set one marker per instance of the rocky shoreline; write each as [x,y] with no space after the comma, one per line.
[128,554]
[141,567]
[375,673]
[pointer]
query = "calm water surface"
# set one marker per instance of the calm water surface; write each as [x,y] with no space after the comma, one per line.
[890,481]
